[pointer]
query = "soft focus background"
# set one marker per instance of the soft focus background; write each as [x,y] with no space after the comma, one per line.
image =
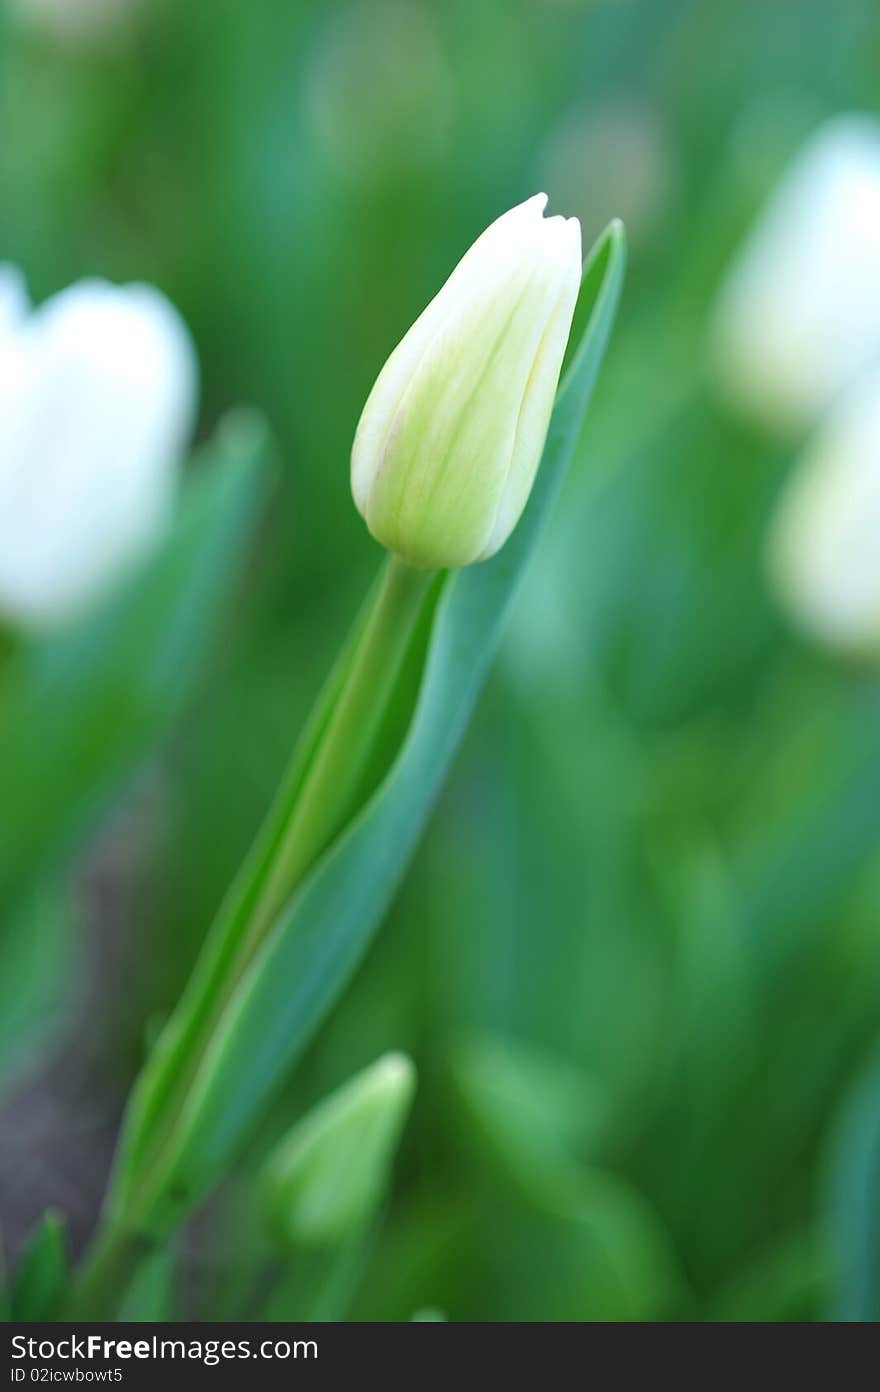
[637,959]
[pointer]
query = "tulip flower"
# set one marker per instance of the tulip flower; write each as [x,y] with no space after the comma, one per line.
[97,400]
[799,315]
[824,553]
[452,433]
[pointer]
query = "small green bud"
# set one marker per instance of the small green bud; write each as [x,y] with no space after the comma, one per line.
[451,437]
[328,1174]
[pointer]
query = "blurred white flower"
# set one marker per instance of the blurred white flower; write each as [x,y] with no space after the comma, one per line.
[450,440]
[97,400]
[77,21]
[825,543]
[799,314]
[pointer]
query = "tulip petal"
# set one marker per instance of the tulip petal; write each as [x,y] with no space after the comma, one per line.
[451,435]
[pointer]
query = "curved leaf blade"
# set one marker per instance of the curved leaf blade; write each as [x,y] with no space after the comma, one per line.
[854,1204]
[41,1277]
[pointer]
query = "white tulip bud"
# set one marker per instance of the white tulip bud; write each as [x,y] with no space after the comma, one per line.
[451,436]
[799,315]
[97,400]
[825,545]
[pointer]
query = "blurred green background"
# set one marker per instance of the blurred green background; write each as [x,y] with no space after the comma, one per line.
[637,960]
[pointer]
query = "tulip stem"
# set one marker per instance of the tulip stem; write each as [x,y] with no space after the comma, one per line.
[334,783]
[104,1281]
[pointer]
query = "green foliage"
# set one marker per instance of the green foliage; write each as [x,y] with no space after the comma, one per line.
[40,1278]
[854,1207]
[635,960]
[240,1027]
[151,1296]
[324,1180]
[537,1127]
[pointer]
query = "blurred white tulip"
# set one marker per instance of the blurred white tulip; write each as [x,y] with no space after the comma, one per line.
[97,401]
[825,544]
[799,314]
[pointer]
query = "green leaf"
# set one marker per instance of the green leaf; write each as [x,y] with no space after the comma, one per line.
[79,708]
[313,948]
[317,1283]
[534,1114]
[37,948]
[532,1118]
[782,1285]
[41,1275]
[150,1297]
[854,1204]
[616,1233]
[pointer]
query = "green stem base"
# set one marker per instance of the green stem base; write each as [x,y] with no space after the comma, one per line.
[103,1282]
[332,789]
[334,782]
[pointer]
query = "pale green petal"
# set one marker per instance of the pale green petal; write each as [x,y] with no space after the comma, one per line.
[452,432]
